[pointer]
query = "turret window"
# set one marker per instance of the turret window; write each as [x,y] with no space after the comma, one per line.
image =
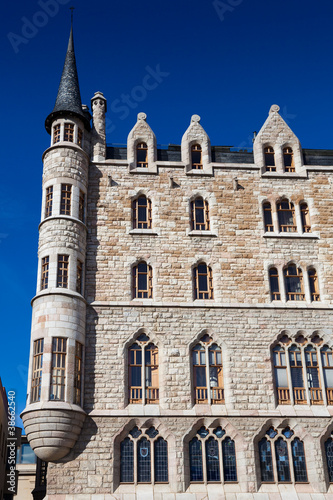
[45,273]
[203,282]
[142,281]
[56,133]
[48,201]
[78,373]
[143,372]
[62,272]
[142,155]
[69,132]
[269,159]
[37,367]
[142,214]
[199,214]
[65,201]
[82,199]
[79,268]
[58,369]
[196,157]
[79,137]
[288,159]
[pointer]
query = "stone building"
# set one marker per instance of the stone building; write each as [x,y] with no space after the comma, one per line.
[181,344]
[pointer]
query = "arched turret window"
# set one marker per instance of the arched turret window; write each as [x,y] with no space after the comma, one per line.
[269,159]
[293,278]
[203,282]
[206,450]
[288,160]
[142,155]
[196,157]
[199,214]
[143,372]
[142,214]
[142,281]
[144,457]
[207,367]
[286,215]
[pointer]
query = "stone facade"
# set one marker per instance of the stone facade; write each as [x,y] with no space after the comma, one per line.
[241,318]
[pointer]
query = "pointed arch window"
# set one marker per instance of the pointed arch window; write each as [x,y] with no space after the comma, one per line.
[286,216]
[288,159]
[196,157]
[199,214]
[142,155]
[305,215]
[144,457]
[300,365]
[203,282]
[142,281]
[212,457]
[268,217]
[143,372]
[314,285]
[293,279]
[278,449]
[274,284]
[207,366]
[142,214]
[269,159]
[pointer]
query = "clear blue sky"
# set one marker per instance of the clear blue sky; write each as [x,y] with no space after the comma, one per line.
[227,61]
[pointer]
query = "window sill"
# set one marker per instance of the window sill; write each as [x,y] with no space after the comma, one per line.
[309,236]
[150,232]
[204,233]
[199,172]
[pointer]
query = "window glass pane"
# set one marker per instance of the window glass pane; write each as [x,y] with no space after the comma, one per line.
[142,214]
[203,285]
[135,376]
[27,455]
[144,459]
[281,377]
[266,463]
[313,377]
[200,376]
[202,358]
[196,473]
[126,461]
[142,155]
[274,281]
[329,458]
[199,215]
[196,157]
[161,461]
[229,460]
[142,267]
[202,269]
[299,461]
[212,460]
[297,377]
[214,375]
[328,376]
[282,460]
[142,281]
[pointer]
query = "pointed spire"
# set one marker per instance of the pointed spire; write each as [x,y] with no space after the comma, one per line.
[69,98]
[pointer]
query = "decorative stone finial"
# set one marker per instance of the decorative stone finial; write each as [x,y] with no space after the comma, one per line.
[274,109]
[195,118]
[142,116]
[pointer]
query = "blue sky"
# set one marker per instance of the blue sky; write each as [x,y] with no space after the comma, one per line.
[226,60]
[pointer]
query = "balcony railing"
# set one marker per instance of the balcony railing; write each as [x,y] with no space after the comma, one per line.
[329,395]
[285,228]
[217,395]
[299,396]
[316,396]
[201,395]
[135,395]
[283,396]
[152,395]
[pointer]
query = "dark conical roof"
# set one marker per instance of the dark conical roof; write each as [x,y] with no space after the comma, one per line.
[68,100]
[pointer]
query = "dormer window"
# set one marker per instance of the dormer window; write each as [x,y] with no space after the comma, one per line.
[288,159]
[69,132]
[142,155]
[56,133]
[196,157]
[269,159]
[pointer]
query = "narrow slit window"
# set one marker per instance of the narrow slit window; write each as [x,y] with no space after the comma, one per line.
[196,157]
[288,159]
[306,225]
[268,217]
[37,367]
[48,201]
[286,216]
[69,132]
[78,373]
[82,200]
[142,213]
[65,201]
[58,369]
[313,284]
[45,273]
[79,269]
[79,137]
[62,273]
[274,283]
[269,159]
[200,215]
[142,155]
[203,282]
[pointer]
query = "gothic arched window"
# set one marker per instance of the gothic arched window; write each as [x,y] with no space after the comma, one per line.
[199,214]
[274,283]
[144,457]
[268,217]
[269,159]
[207,366]
[205,450]
[143,380]
[196,157]
[203,281]
[142,281]
[142,213]
[286,216]
[293,279]
[142,155]
[314,285]
[305,215]
[278,449]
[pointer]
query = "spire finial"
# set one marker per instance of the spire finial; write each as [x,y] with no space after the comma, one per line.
[71,9]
